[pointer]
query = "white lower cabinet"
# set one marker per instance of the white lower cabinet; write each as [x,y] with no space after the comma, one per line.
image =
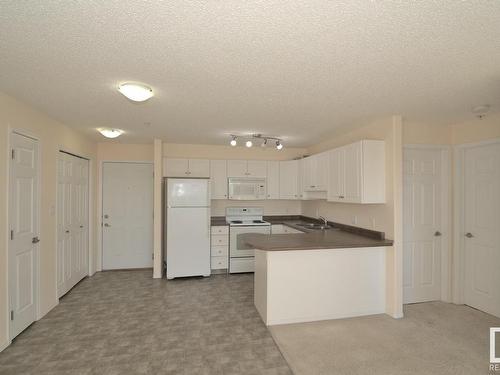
[219,247]
[218,263]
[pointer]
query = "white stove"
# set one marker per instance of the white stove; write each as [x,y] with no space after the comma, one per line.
[243,220]
[245,216]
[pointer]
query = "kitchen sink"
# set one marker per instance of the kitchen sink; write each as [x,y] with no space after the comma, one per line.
[315,226]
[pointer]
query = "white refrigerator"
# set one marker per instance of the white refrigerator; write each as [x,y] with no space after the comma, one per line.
[188,227]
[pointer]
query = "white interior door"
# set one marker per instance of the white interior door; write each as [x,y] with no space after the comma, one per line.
[422,225]
[72,221]
[482,228]
[127,215]
[23,222]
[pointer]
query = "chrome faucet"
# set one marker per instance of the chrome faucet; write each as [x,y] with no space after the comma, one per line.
[325,222]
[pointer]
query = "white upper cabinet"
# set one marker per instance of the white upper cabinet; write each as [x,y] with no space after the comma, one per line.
[175,167]
[186,168]
[199,168]
[257,168]
[315,172]
[357,173]
[218,179]
[273,180]
[237,168]
[336,175]
[321,176]
[246,168]
[289,179]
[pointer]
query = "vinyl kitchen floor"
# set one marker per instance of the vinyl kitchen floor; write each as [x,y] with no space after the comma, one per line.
[125,322]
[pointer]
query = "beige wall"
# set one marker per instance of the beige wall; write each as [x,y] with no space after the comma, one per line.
[174,150]
[469,131]
[53,136]
[108,151]
[421,133]
[382,217]
[476,130]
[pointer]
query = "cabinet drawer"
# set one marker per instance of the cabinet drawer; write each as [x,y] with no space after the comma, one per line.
[222,229]
[218,251]
[218,263]
[220,240]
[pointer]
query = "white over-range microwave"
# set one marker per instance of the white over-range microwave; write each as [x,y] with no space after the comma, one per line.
[247,188]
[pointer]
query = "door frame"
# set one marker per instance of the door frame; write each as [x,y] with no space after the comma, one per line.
[90,213]
[36,251]
[100,199]
[446,214]
[459,215]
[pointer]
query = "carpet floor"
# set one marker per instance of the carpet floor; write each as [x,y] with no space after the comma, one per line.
[125,322]
[432,338]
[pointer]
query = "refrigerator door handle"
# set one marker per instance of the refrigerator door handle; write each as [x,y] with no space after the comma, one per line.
[209,224]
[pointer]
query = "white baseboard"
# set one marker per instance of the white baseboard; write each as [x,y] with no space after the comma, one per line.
[4,345]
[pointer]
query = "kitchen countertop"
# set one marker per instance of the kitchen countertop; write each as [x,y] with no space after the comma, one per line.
[312,239]
[340,236]
[218,221]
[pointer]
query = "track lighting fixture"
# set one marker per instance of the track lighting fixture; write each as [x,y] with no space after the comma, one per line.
[249,142]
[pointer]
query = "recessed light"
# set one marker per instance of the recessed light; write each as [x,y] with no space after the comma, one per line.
[110,133]
[249,144]
[135,91]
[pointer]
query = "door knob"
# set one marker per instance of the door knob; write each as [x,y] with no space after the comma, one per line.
[469,235]
[437,234]
[106,225]
[35,240]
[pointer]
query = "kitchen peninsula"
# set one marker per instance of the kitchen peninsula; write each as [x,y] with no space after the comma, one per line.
[320,274]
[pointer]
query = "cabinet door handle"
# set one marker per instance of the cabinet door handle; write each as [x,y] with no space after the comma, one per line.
[437,234]
[341,196]
[35,240]
[106,225]
[469,235]
[66,231]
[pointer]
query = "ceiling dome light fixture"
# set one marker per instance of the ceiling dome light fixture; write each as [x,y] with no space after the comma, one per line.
[135,91]
[110,133]
[248,143]
[233,141]
[481,110]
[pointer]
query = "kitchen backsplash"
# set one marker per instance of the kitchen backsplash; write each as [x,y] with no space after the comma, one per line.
[271,207]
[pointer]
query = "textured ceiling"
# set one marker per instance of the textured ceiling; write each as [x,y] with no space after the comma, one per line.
[295,69]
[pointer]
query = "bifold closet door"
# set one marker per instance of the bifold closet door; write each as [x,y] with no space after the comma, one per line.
[72,221]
